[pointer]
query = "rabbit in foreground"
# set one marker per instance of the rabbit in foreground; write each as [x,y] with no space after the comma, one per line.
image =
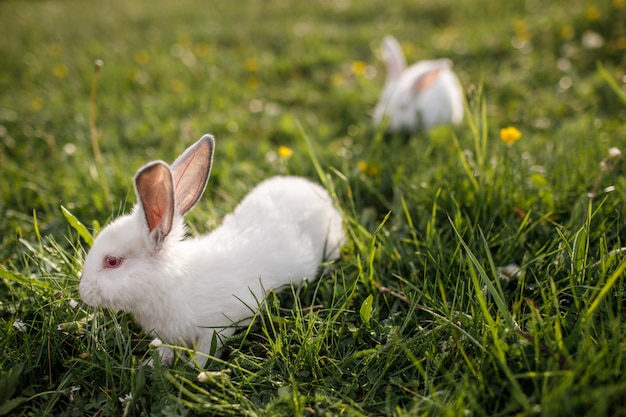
[419,97]
[184,290]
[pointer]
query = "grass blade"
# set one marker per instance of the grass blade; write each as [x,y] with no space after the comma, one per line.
[604,291]
[15,277]
[77,226]
[610,81]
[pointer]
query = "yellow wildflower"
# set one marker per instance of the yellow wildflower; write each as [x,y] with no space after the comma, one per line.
[593,13]
[184,40]
[337,79]
[177,85]
[521,29]
[36,104]
[201,49]
[60,71]
[567,32]
[253,83]
[371,170]
[358,67]
[55,49]
[285,152]
[510,135]
[142,57]
[252,64]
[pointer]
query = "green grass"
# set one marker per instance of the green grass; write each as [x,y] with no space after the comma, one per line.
[414,318]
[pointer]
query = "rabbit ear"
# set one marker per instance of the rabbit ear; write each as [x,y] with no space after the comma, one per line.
[430,77]
[425,80]
[191,172]
[155,192]
[394,58]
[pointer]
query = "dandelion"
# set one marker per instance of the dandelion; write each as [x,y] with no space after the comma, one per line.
[252,65]
[184,40]
[36,104]
[201,49]
[522,38]
[60,71]
[142,57]
[177,86]
[510,135]
[567,32]
[284,152]
[371,170]
[593,13]
[358,67]
[253,83]
[337,79]
[55,49]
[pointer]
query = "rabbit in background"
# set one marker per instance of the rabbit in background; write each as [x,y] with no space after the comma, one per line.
[184,290]
[419,97]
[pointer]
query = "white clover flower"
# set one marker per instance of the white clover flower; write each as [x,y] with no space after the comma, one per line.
[73,303]
[213,376]
[19,325]
[614,153]
[592,40]
[73,389]
[125,399]
[156,342]
[509,272]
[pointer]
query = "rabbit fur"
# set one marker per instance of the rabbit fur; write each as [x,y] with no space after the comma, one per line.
[419,97]
[185,289]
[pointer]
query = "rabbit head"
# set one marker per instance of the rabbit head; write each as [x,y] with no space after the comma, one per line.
[131,258]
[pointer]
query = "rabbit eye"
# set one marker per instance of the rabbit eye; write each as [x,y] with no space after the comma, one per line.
[111,262]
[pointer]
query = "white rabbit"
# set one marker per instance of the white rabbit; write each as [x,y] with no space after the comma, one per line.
[184,290]
[419,97]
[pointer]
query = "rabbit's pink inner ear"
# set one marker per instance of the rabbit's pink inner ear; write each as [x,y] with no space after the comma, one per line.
[155,190]
[191,173]
[426,81]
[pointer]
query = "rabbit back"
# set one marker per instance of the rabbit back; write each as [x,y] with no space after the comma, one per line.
[278,235]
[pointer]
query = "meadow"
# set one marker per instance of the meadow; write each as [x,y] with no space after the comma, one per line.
[479,278]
